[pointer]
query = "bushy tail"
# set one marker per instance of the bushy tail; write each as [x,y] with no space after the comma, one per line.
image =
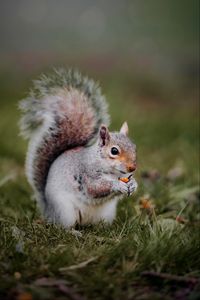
[64,110]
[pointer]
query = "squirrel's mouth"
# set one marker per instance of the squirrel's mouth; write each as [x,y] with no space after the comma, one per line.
[122,172]
[128,174]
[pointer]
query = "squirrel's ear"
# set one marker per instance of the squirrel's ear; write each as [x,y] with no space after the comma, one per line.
[104,135]
[124,128]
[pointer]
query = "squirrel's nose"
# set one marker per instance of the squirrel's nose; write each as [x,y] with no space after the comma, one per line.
[132,167]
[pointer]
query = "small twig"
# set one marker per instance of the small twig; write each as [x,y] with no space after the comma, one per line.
[170,277]
[78,266]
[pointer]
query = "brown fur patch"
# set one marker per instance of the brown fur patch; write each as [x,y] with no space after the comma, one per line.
[75,126]
[127,158]
[99,191]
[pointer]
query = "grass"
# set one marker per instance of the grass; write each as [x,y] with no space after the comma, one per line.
[146,253]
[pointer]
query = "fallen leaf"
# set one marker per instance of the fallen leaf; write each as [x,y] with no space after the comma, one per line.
[24,296]
[146,203]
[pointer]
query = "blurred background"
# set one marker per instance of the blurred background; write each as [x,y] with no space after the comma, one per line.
[143,53]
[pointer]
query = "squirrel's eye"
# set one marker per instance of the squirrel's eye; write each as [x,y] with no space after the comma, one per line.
[114,151]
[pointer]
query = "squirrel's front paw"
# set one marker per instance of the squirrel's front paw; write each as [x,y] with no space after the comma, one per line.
[125,187]
[132,186]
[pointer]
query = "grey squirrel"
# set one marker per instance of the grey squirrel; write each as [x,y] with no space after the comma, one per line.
[73,162]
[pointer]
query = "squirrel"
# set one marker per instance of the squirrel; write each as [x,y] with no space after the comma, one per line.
[73,161]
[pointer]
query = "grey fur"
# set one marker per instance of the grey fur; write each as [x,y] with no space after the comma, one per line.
[67,164]
[32,108]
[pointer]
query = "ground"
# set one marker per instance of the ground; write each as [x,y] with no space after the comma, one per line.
[151,251]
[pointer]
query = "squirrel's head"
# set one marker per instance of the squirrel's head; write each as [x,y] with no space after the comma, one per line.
[118,149]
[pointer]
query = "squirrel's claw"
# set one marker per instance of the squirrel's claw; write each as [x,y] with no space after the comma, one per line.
[126,188]
[132,186]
